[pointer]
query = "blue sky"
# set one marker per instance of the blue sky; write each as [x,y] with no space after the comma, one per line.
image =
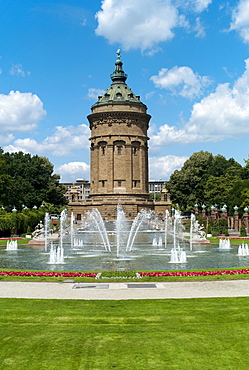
[187,59]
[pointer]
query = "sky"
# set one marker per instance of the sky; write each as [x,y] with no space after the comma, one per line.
[187,59]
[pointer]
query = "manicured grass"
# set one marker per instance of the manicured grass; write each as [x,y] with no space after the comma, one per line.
[135,334]
[19,241]
[238,241]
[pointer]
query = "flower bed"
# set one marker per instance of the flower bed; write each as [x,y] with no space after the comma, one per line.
[194,273]
[233,237]
[48,274]
[140,274]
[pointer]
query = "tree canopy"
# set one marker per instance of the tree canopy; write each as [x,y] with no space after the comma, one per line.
[29,181]
[207,179]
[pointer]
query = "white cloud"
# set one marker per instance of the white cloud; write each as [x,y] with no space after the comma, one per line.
[199,28]
[197,6]
[17,69]
[223,114]
[64,141]
[240,20]
[163,167]
[94,93]
[181,80]
[135,24]
[20,112]
[6,139]
[71,171]
[201,5]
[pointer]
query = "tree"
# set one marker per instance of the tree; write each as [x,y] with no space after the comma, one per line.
[28,180]
[186,186]
[204,178]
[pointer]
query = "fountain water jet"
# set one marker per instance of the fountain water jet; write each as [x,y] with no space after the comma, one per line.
[121,228]
[167,226]
[243,250]
[72,229]
[56,255]
[224,244]
[98,224]
[46,223]
[178,255]
[63,217]
[77,242]
[11,245]
[137,222]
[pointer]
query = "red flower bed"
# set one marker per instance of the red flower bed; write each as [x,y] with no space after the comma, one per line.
[233,237]
[57,274]
[195,273]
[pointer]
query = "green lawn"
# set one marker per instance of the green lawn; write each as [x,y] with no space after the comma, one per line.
[141,334]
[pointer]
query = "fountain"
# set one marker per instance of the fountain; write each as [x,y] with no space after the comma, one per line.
[121,228]
[46,228]
[11,245]
[177,254]
[167,227]
[56,255]
[63,217]
[154,242]
[120,245]
[243,250]
[72,230]
[98,225]
[136,224]
[224,244]
[77,243]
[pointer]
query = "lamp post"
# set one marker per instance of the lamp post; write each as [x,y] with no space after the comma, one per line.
[245,216]
[203,212]
[236,218]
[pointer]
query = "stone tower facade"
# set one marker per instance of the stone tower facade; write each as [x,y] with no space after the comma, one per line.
[119,141]
[119,153]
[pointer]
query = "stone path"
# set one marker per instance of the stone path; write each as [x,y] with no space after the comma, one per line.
[119,291]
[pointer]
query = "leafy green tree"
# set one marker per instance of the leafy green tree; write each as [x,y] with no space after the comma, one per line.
[186,186]
[28,180]
[204,178]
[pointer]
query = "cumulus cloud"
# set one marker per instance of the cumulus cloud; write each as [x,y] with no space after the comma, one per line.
[163,167]
[135,25]
[64,141]
[223,114]
[20,112]
[181,80]
[71,171]
[240,20]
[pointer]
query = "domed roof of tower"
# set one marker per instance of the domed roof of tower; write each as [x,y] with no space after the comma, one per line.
[118,92]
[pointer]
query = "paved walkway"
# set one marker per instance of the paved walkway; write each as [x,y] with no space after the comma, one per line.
[118,291]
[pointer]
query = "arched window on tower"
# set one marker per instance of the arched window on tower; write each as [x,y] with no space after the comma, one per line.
[119,145]
[102,146]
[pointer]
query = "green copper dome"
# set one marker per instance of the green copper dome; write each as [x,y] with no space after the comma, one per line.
[118,92]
